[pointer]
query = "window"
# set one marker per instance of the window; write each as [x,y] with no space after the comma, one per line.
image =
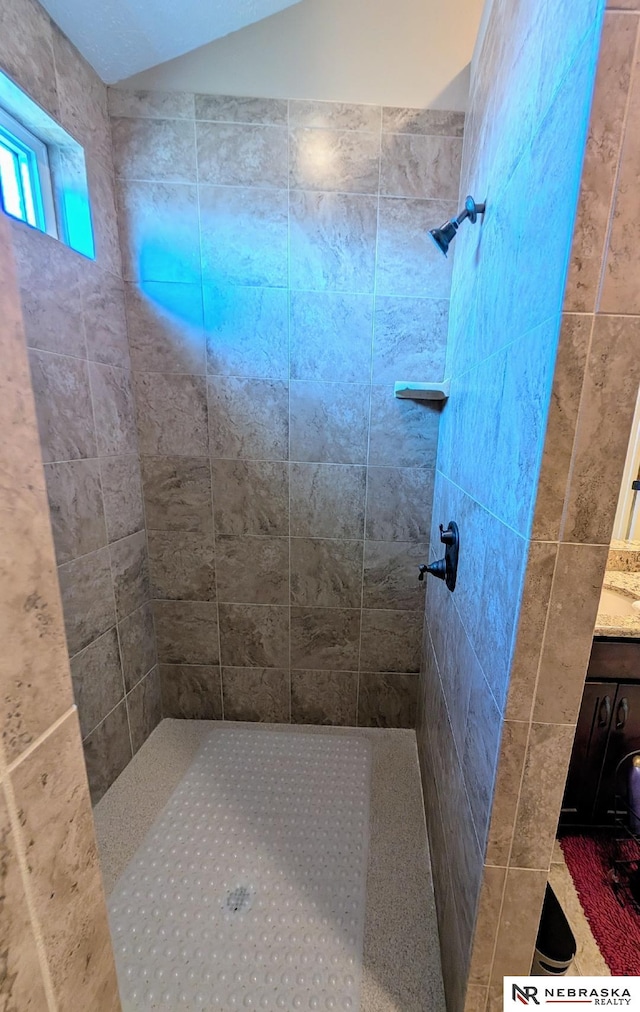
[25,176]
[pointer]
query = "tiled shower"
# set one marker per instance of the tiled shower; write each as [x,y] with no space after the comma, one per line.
[239,505]
[278,280]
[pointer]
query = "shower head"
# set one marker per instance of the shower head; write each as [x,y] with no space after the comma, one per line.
[445,235]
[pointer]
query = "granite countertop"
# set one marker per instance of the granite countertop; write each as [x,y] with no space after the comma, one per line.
[620,625]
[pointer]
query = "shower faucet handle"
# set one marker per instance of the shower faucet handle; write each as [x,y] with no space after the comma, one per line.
[448,537]
[421,571]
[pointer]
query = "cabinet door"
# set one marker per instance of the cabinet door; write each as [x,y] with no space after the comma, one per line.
[589,749]
[623,738]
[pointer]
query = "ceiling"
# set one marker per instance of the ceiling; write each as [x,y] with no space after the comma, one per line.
[123,37]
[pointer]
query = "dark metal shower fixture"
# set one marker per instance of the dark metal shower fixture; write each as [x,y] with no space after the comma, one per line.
[445,235]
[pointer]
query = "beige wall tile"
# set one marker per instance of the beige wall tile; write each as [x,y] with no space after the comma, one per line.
[26,52]
[21,984]
[606,412]
[64,875]
[513,747]
[543,782]
[601,159]
[489,908]
[619,292]
[33,636]
[575,594]
[568,380]
[523,897]
[530,633]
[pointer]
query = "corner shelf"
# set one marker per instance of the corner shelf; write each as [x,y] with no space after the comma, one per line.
[422,391]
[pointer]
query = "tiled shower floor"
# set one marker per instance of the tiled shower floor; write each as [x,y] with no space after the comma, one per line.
[399,970]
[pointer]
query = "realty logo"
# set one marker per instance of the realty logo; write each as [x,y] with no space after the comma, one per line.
[543,992]
[524,994]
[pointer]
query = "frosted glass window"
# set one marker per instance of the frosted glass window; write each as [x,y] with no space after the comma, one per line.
[25,176]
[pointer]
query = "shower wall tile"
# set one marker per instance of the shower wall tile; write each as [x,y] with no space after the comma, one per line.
[618,293]
[572,605]
[75,507]
[105,320]
[607,404]
[326,574]
[420,166]
[159,231]
[144,704]
[63,406]
[246,331]
[244,234]
[50,793]
[98,684]
[251,497]
[408,261]
[331,336]
[391,640]
[50,293]
[334,160]
[230,154]
[322,223]
[104,215]
[23,984]
[336,115]
[252,570]
[600,165]
[254,635]
[137,645]
[165,324]
[387,700]
[107,750]
[113,409]
[122,495]
[327,500]
[191,691]
[172,414]
[248,419]
[160,149]
[260,694]
[186,632]
[399,503]
[87,592]
[391,575]
[177,493]
[325,638]
[410,338]
[26,51]
[435,122]
[324,697]
[130,569]
[181,566]
[82,98]
[329,422]
[238,109]
[404,433]
[157,104]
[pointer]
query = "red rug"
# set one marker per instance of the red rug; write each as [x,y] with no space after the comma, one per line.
[616,928]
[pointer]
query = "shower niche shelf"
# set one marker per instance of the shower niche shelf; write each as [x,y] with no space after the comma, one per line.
[406,390]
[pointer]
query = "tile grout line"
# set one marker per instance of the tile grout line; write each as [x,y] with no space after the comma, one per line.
[290,677]
[214,533]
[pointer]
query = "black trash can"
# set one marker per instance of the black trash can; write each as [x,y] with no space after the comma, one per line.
[555,944]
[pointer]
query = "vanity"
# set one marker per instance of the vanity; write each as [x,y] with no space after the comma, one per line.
[609,721]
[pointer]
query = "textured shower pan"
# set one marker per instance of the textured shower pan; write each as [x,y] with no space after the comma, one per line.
[248,891]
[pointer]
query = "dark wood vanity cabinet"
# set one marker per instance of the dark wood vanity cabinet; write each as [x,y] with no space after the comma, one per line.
[608,728]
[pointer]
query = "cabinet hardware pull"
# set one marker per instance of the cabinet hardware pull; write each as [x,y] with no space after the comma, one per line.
[604,719]
[623,713]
